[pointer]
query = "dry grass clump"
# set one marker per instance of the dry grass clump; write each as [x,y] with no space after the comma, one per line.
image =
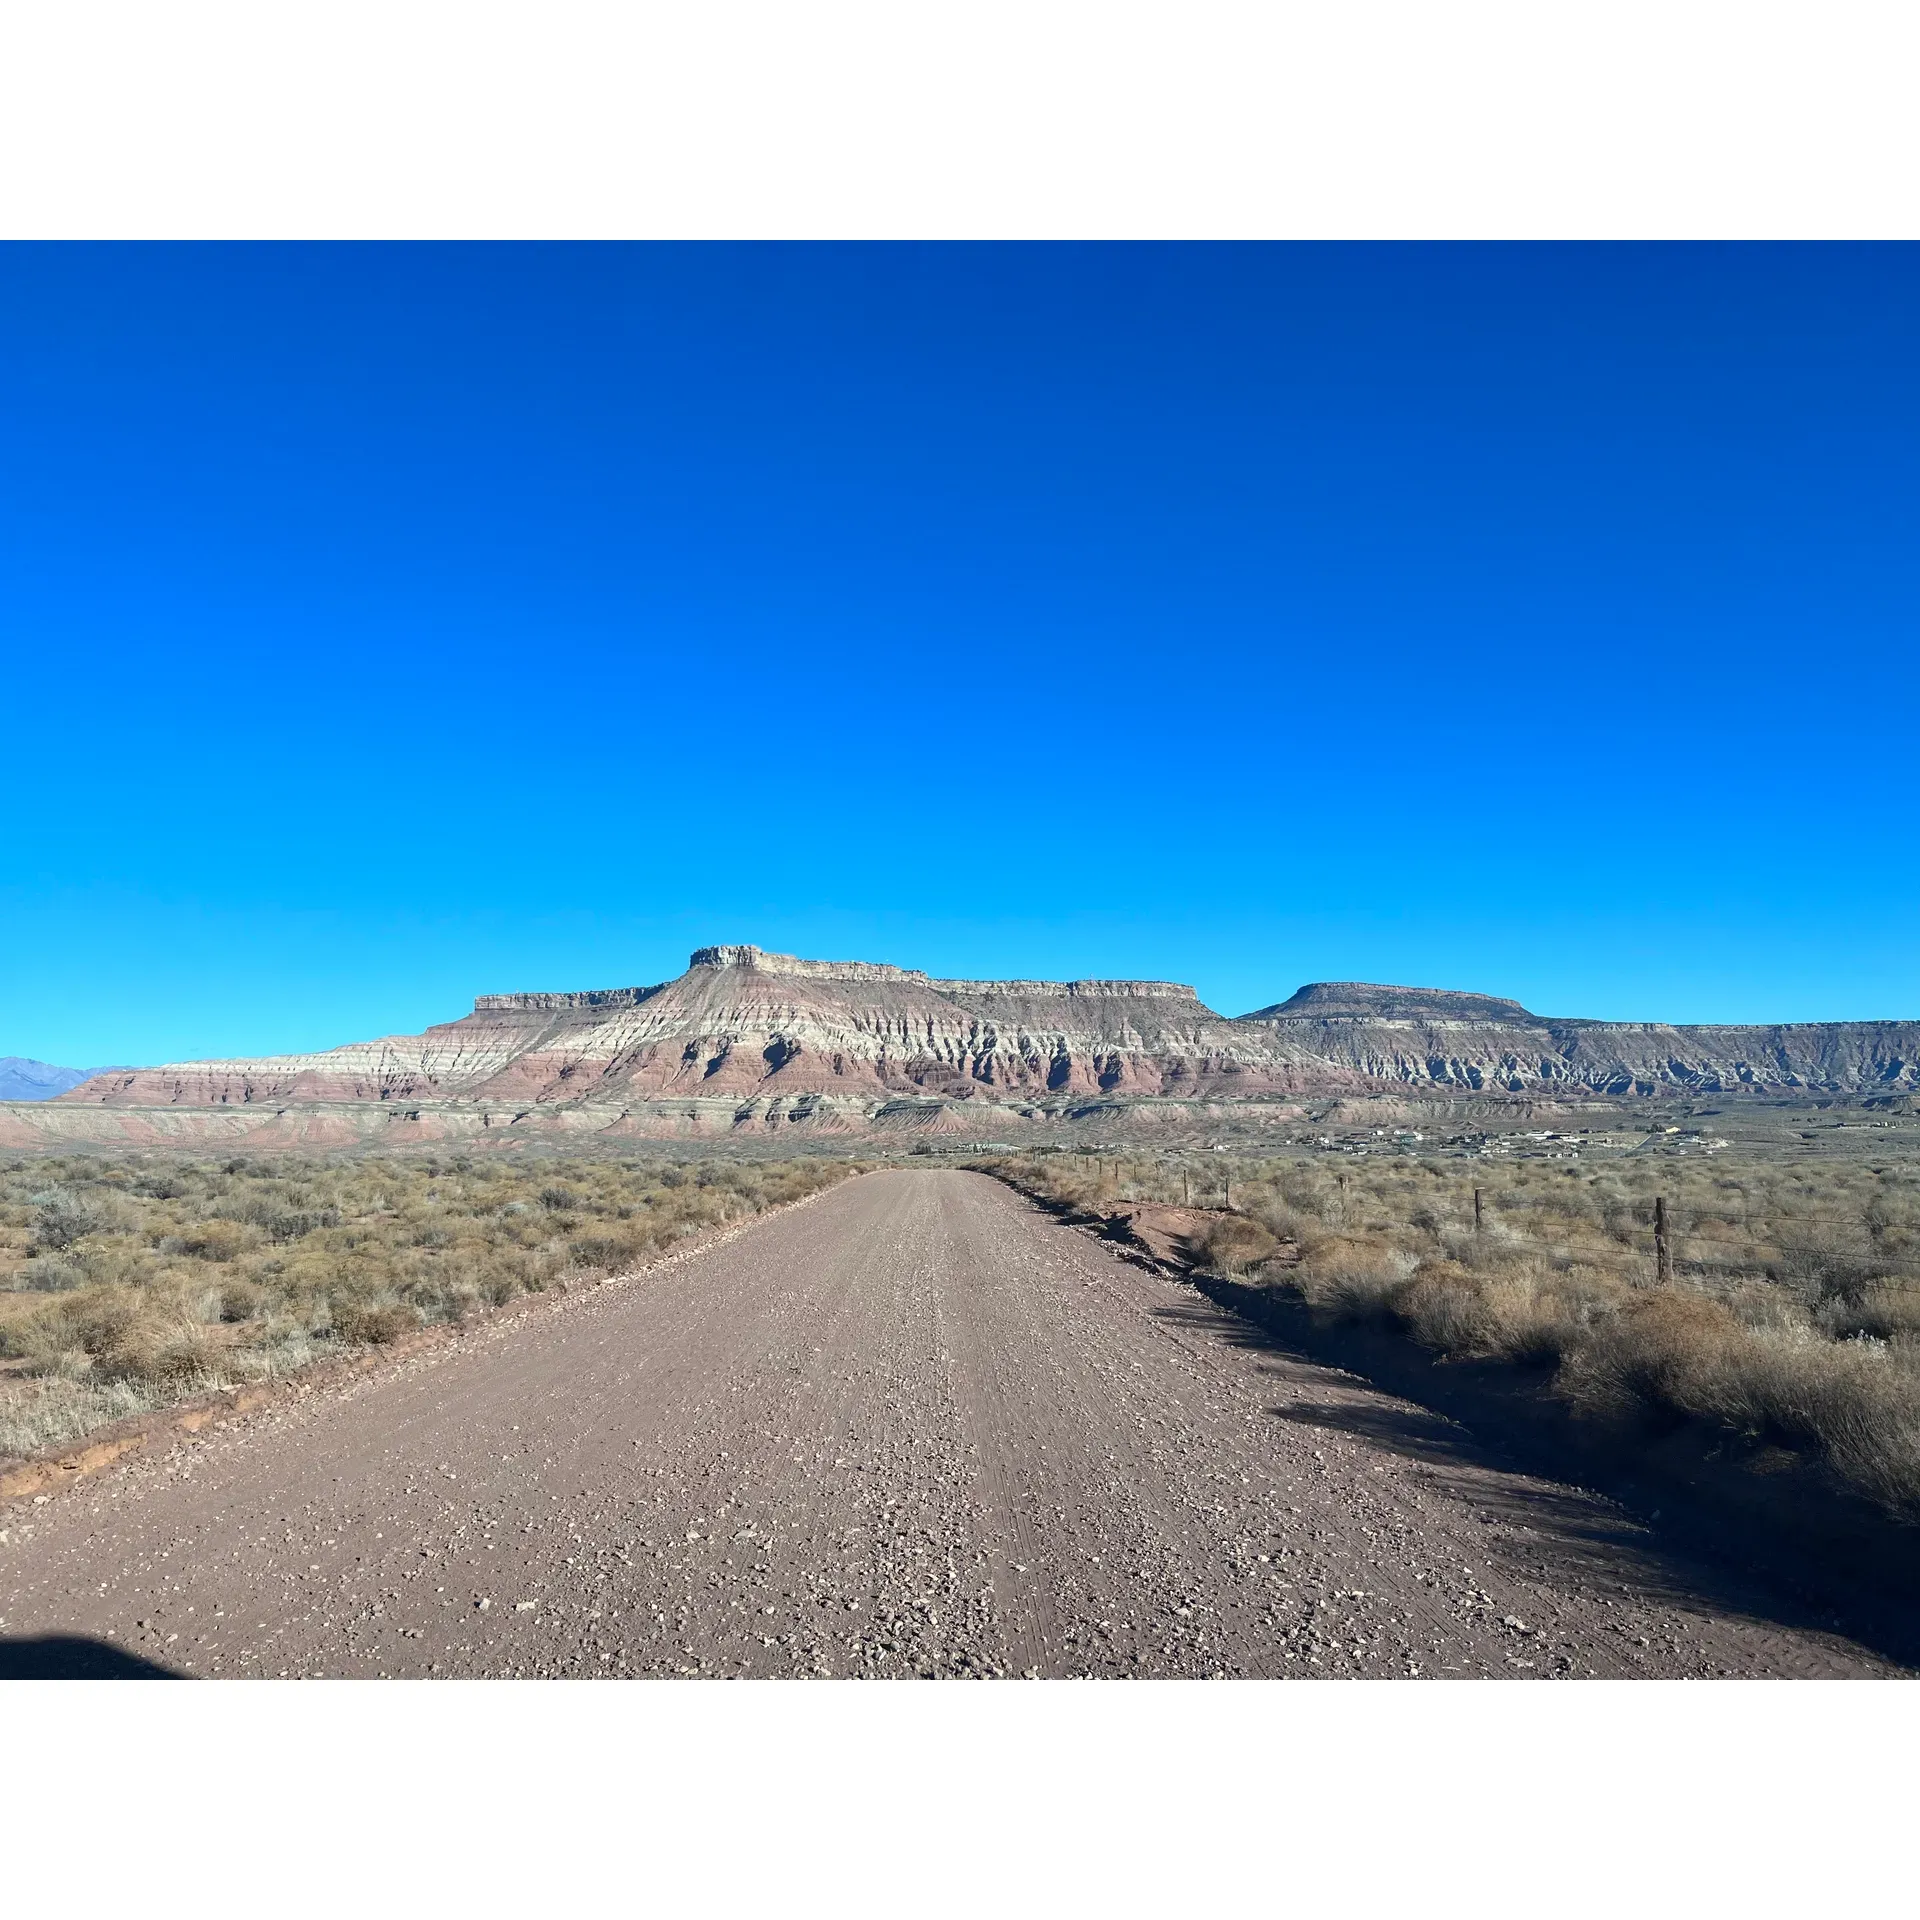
[1792,1318]
[1234,1242]
[126,1284]
[1354,1284]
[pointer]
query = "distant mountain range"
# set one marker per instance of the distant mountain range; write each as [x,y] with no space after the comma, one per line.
[749,1039]
[36,1080]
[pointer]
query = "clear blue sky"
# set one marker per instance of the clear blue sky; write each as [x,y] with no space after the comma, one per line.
[385,625]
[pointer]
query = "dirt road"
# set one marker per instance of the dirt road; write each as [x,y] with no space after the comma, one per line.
[913,1427]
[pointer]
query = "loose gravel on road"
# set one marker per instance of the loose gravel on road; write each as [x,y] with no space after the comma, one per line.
[913,1427]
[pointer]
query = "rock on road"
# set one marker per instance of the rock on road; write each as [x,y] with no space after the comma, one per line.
[913,1427]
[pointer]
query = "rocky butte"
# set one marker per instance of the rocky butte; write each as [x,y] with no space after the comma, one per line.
[749,1040]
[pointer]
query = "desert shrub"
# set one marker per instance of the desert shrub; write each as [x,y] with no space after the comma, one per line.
[1654,1359]
[216,1239]
[1288,1223]
[109,1333]
[240,1299]
[1233,1243]
[632,1242]
[62,1217]
[1763,1307]
[158,1355]
[282,1223]
[1883,1310]
[1353,1283]
[1856,1403]
[374,1326]
[103,1323]
[54,1276]
[1451,1309]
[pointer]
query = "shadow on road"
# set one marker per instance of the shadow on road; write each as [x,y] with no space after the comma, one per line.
[1563,1518]
[70,1656]
[1410,1430]
[1540,1507]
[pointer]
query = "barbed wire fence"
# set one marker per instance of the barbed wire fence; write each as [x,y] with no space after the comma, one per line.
[1662,1246]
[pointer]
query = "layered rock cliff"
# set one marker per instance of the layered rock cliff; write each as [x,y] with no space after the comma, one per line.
[1423,1037]
[741,1022]
[846,1043]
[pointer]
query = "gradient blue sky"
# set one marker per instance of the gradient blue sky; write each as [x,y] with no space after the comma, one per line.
[386,625]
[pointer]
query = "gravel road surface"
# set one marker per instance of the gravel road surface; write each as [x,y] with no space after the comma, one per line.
[913,1427]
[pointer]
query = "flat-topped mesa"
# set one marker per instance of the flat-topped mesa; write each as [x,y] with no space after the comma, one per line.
[1360,1000]
[745,959]
[758,960]
[742,1021]
[562,1002]
[1068,990]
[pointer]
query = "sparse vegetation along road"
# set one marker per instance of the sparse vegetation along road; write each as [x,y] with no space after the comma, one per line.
[915,1426]
[128,1285]
[1774,1309]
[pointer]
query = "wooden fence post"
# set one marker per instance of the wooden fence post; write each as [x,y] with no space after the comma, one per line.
[1476,1210]
[1662,1245]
